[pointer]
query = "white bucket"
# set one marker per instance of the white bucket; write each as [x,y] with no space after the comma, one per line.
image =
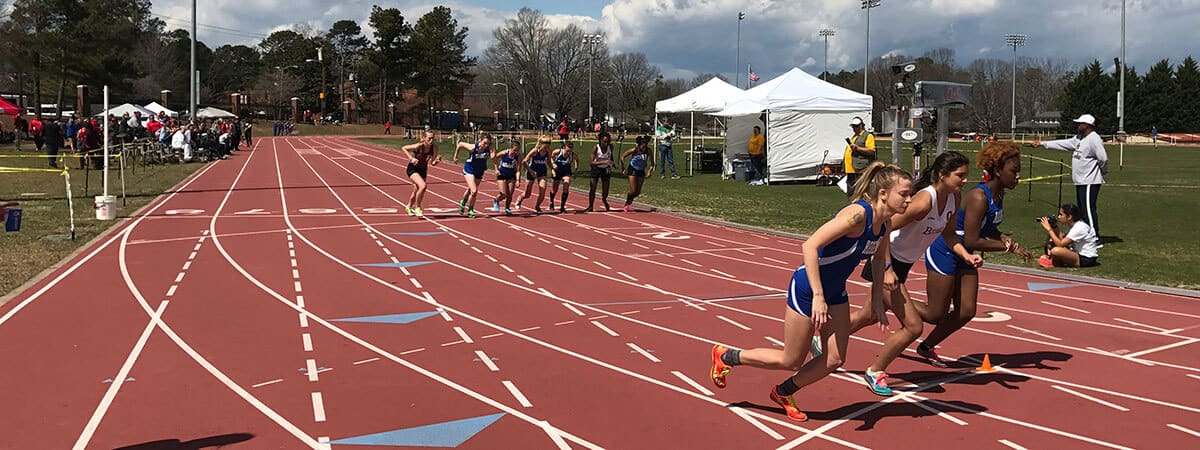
[106,207]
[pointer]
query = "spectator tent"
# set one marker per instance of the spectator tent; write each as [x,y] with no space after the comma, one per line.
[214,113]
[157,108]
[802,116]
[127,108]
[709,97]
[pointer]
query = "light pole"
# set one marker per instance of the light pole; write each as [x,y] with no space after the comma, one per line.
[1121,93]
[320,60]
[505,98]
[737,65]
[1015,40]
[194,88]
[826,33]
[591,40]
[867,5]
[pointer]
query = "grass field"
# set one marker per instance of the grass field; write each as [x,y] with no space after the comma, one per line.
[44,238]
[1146,210]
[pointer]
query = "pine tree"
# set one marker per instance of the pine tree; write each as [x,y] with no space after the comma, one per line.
[1187,77]
[1090,91]
[1158,104]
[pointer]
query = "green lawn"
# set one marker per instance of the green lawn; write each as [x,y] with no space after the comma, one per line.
[44,239]
[1146,209]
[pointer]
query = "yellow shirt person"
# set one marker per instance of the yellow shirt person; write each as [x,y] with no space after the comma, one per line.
[756,145]
[860,151]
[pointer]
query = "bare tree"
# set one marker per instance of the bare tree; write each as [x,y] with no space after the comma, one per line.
[633,77]
[565,70]
[990,94]
[518,50]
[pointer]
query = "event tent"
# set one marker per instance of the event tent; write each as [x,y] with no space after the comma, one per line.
[9,109]
[127,108]
[157,108]
[712,96]
[213,113]
[802,116]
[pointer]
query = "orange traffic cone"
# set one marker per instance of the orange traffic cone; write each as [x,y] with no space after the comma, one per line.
[987,365]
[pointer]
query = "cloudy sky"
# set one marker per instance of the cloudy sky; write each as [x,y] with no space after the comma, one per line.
[688,37]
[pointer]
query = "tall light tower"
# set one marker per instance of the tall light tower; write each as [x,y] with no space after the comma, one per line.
[1121,94]
[826,33]
[591,40]
[1014,40]
[867,5]
[194,87]
[737,65]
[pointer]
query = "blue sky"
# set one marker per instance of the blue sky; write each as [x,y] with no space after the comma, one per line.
[688,37]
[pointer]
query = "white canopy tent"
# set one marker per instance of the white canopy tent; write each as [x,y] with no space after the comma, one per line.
[712,96]
[127,108]
[156,108]
[213,113]
[802,116]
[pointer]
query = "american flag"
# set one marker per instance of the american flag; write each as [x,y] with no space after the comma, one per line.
[753,76]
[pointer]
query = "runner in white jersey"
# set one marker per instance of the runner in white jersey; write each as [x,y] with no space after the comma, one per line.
[933,206]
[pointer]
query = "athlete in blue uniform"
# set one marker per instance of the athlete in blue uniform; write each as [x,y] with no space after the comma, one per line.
[817,299]
[475,165]
[565,164]
[954,280]
[537,163]
[640,163]
[506,174]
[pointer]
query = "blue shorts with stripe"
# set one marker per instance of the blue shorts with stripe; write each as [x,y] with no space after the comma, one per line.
[800,293]
[941,259]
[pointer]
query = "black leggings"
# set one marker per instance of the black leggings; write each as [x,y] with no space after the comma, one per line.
[1086,195]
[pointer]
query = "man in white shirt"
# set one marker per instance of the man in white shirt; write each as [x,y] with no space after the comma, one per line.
[1077,249]
[1089,164]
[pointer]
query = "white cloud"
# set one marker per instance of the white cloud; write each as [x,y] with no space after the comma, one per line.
[808,62]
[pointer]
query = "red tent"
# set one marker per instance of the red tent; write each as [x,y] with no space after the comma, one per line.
[8,109]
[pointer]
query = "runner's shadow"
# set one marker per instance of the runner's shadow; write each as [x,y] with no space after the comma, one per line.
[979,379]
[194,444]
[1030,360]
[872,417]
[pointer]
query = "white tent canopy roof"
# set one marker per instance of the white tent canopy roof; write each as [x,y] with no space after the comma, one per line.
[796,90]
[157,108]
[127,109]
[213,113]
[712,96]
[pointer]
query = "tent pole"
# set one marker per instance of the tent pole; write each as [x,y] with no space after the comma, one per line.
[692,150]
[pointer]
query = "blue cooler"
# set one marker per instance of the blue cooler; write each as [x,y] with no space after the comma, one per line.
[12,223]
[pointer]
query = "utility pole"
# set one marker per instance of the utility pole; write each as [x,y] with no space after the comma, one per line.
[1015,40]
[867,5]
[737,67]
[194,87]
[826,33]
[591,40]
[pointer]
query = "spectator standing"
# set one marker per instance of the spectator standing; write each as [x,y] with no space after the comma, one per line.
[20,127]
[758,157]
[666,134]
[860,151]
[35,132]
[52,138]
[1089,165]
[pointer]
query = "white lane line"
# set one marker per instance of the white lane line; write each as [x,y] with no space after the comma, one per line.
[1067,307]
[1012,444]
[544,291]
[643,352]
[1034,333]
[941,414]
[718,272]
[743,251]
[731,322]
[528,234]
[774,341]
[1185,430]
[292,253]
[691,382]
[293,262]
[490,258]
[311,369]
[1088,397]
[776,261]
[489,336]
[171,291]
[365,361]
[512,388]
[526,280]
[509,269]
[580,256]
[598,263]
[452,343]
[296,285]
[196,248]
[635,244]
[606,329]
[1192,375]
[1164,347]
[714,244]
[303,321]
[1117,355]
[404,270]
[555,435]
[564,323]
[300,301]
[560,247]
[291,245]
[529,329]
[387,252]
[266,383]
[1140,324]
[689,303]
[573,309]
[487,361]
[409,352]
[307,340]
[416,283]
[445,315]
[688,261]
[193,256]
[318,407]
[660,308]
[464,336]
[627,276]
[186,265]
[179,277]
[626,313]
[1171,331]
[477,250]
[757,424]
[620,239]
[295,274]
[464,242]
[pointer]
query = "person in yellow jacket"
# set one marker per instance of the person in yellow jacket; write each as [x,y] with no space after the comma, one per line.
[860,152]
[758,158]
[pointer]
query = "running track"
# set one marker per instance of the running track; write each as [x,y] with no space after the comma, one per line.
[212,319]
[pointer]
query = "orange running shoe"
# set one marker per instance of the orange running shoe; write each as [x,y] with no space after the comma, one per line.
[719,368]
[789,406]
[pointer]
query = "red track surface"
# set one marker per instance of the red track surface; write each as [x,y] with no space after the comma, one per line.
[253,257]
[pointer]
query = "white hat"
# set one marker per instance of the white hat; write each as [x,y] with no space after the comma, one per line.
[1086,118]
[857,121]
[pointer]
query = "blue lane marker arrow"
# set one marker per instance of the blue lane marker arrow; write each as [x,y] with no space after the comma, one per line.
[397,264]
[390,318]
[445,434]
[421,233]
[1048,286]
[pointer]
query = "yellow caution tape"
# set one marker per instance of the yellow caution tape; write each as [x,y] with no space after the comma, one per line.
[27,169]
[1047,177]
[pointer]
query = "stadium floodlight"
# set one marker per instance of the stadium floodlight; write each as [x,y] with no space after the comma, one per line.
[826,32]
[1014,40]
[867,5]
[591,40]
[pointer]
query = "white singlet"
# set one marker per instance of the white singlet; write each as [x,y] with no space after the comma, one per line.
[910,242]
